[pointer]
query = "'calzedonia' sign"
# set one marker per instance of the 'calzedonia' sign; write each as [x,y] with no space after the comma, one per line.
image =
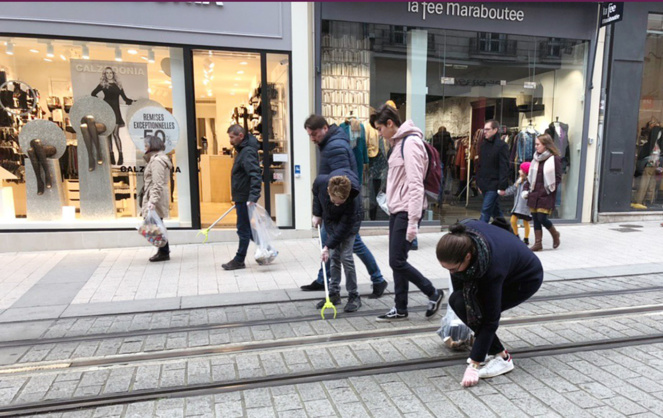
[465,10]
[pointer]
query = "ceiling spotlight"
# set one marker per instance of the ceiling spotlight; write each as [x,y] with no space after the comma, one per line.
[209,93]
[49,50]
[34,51]
[240,72]
[238,78]
[118,54]
[149,90]
[206,82]
[63,57]
[132,51]
[48,60]
[243,63]
[85,53]
[10,48]
[150,56]
[143,57]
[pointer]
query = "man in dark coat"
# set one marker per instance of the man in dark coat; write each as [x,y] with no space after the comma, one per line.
[245,188]
[492,171]
[336,154]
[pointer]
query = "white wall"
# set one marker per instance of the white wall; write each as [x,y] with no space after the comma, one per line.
[303,36]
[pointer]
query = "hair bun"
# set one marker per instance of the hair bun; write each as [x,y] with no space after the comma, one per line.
[457,228]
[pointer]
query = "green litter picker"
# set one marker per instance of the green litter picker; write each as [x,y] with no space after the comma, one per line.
[206,231]
[328,303]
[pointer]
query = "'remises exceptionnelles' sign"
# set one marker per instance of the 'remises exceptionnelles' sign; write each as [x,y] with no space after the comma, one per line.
[475,10]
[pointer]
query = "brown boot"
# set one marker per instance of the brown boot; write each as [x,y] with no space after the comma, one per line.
[538,237]
[555,236]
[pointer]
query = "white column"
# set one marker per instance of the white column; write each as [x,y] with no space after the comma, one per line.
[181,149]
[303,76]
[417,47]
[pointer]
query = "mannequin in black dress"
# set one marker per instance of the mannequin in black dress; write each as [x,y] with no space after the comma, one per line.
[112,89]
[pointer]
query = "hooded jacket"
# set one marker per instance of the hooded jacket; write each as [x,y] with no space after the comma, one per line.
[157,181]
[335,152]
[340,221]
[245,175]
[405,179]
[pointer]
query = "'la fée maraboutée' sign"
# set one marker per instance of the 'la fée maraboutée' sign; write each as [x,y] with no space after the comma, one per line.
[428,8]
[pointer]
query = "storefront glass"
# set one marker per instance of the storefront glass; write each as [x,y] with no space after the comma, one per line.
[647,182]
[44,80]
[450,82]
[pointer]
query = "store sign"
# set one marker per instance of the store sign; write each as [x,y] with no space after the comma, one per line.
[611,13]
[479,11]
[154,121]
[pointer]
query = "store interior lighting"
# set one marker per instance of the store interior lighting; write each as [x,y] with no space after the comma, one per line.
[150,56]
[118,54]
[10,48]
[85,53]
[50,50]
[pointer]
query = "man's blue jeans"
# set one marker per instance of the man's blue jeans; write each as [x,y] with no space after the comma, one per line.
[364,255]
[491,206]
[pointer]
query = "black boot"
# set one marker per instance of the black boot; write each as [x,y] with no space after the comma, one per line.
[313,287]
[160,256]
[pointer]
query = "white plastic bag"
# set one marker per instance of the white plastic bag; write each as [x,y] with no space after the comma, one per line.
[264,231]
[153,229]
[454,333]
[381,198]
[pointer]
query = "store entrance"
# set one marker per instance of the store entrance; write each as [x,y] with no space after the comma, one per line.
[229,90]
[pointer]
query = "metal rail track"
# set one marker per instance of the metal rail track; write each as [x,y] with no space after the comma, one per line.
[304,377]
[268,322]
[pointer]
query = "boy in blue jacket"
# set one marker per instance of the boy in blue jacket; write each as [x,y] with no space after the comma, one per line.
[336,198]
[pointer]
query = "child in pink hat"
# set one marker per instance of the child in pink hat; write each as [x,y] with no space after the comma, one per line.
[520,209]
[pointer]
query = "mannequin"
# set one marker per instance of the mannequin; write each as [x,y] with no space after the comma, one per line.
[38,154]
[91,130]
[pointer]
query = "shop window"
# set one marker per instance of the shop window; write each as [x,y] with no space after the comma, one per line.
[54,80]
[465,85]
[647,189]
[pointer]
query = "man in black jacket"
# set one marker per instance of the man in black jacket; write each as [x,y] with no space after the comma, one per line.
[336,154]
[492,172]
[245,184]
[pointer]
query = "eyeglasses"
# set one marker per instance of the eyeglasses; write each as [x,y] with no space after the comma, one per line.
[489,129]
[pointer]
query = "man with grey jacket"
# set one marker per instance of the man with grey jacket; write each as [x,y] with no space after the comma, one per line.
[245,184]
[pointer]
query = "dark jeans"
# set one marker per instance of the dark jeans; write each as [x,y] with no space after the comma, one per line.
[373,210]
[512,295]
[491,206]
[243,230]
[541,219]
[404,272]
[364,255]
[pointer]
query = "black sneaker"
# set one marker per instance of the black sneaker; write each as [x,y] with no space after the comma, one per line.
[354,303]
[334,298]
[233,265]
[434,304]
[160,257]
[391,316]
[378,289]
[313,287]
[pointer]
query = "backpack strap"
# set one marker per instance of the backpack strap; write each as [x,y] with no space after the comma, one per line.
[402,146]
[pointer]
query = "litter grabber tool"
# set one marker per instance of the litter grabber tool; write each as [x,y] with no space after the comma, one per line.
[328,303]
[206,231]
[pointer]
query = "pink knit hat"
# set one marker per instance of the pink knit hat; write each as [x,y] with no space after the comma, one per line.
[525,167]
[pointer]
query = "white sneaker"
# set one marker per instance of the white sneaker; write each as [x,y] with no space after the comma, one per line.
[483,363]
[496,367]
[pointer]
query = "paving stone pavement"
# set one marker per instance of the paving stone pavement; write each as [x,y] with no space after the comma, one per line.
[610,383]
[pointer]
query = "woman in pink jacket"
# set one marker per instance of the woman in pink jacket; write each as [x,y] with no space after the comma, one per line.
[408,161]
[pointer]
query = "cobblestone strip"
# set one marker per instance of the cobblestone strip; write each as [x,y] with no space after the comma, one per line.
[612,383]
[264,333]
[324,357]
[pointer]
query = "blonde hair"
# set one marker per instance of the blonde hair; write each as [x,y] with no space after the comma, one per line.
[105,82]
[547,141]
[339,187]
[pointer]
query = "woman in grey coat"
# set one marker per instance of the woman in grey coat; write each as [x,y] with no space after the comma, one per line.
[155,189]
[520,209]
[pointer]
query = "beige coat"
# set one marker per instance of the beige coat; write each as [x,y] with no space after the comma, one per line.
[157,182]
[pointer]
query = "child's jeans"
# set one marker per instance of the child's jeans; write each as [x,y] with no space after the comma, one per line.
[343,255]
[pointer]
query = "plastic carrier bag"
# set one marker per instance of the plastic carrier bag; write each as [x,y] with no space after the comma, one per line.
[454,333]
[381,198]
[264,231]
[153,229]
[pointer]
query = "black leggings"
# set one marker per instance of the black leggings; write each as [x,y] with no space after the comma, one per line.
[541,219]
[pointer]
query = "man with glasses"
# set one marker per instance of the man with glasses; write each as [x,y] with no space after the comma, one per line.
[492,171]
[336,154]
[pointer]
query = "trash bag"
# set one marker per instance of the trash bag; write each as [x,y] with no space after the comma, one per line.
[264,231]
[454,333]
[381,198]
[153,229]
